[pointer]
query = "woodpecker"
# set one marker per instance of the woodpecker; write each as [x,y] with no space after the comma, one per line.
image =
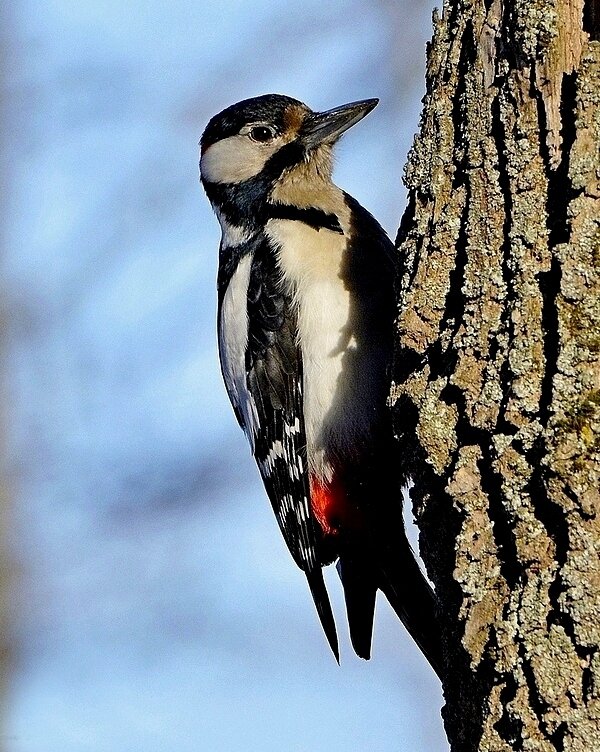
[305,329]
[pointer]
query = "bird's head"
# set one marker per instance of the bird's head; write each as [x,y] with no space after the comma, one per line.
[249,148]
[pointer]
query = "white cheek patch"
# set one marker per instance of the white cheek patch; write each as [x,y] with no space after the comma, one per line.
[234,159]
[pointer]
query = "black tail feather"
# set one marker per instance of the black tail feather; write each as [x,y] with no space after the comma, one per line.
[412,598]
[360,589]
[321,599]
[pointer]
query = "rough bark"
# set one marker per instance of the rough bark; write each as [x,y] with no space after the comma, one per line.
[496,393]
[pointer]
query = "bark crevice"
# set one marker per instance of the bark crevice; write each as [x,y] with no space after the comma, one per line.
[591,19]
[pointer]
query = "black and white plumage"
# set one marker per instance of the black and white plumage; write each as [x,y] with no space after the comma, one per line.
[305,322]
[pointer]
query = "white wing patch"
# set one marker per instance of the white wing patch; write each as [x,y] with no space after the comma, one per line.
[233,338]
[294,428]
[275,451]
[285,451]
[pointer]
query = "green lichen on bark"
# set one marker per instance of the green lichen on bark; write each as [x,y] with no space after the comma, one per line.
[496,388]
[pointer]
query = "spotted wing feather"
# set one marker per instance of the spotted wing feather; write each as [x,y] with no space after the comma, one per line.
[274,367]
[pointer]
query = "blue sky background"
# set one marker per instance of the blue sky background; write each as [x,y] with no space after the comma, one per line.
[156,605]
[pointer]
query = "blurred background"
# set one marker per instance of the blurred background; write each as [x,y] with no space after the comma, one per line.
[153,603]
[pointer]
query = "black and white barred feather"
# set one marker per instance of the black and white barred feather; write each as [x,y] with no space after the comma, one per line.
[270,409]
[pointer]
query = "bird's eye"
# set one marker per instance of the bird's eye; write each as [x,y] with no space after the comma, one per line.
[262,133]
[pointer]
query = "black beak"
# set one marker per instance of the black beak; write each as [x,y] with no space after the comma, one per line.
[327,127]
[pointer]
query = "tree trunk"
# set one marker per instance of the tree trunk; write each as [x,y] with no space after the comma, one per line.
[496,392]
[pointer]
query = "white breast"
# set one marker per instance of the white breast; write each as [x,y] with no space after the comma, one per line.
[336,416]
[233,338]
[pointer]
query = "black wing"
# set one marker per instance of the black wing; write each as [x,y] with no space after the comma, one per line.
[274,367]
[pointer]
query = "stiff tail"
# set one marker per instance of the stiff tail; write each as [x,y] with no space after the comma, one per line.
[321,599]
[360,589]
[412,598]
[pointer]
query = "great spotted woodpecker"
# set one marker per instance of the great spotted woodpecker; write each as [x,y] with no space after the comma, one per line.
[305,327]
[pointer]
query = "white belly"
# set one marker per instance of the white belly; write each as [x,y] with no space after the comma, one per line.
[336,398]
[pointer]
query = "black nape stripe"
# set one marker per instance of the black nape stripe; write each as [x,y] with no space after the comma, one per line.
[311,216]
